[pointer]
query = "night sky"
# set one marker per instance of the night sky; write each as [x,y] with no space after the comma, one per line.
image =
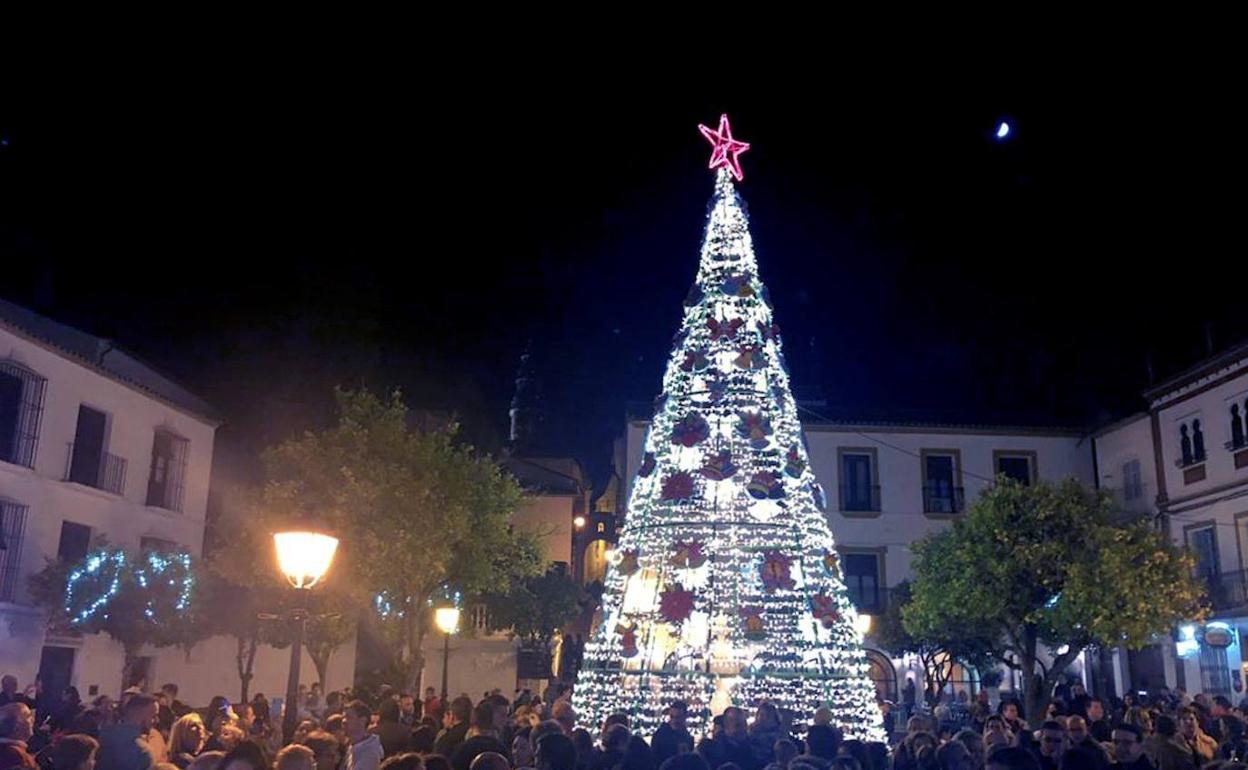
[262,239]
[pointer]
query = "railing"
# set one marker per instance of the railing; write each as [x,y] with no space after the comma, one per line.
[938,498]
[860,497]
[103,471]
[1228,590]
[875,604]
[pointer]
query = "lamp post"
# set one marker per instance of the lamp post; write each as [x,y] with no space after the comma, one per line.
[447,619]
[304,557]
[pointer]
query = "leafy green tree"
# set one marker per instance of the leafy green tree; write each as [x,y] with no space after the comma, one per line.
[1046,565]
[416,512]
[138,599]
[938,648]
[535,609]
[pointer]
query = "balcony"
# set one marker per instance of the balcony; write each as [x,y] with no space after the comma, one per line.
[860,498]
[1228,591]
[942,498]
[96,469]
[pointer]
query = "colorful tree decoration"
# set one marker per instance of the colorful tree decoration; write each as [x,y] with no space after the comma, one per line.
[725,150]
[824,608]
[688,554]
[716,390]
[764,485]
[832,564]
[628,641]
[777,572]
[754,427]
[750,357]
[691,431]
[726,526]
[628,562]
[678,486]
[737,286]
[753,623]
[816,495]
[647,465]
[676,604]
[718,465]
[723,330]
[794,462]
[695,361]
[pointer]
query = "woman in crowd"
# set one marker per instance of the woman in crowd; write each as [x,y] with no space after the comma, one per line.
[186,740]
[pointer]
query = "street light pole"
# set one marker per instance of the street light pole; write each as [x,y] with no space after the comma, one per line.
[304,556]
[290,714]
[447,620]
[446,657]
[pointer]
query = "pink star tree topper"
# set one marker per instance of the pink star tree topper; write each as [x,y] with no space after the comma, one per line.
[725,150]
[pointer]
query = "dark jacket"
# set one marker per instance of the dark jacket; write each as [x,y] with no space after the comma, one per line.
[470,748]
[1143,763]
[450,739]
[396,737]
[123,747]
[718,751]
[667,742]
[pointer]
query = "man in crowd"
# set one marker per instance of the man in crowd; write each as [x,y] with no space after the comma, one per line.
[733,746]
[1082,743]
[454,726]
[364,751]
[1129,748]
[1052,739]
[17,724]
[9,693]
[123,746]
[673,736]
[1098,725]
[407,710]
[432,704]
[482,737]
[556,752]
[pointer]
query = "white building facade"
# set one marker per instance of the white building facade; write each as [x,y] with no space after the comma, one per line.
[97,446]
[1184,462]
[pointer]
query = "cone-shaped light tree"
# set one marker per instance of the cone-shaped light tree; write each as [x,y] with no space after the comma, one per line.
[725,587]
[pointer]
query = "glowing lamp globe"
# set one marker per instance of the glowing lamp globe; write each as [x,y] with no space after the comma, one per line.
[447,619]
[578,522]
[304,557]
[862,624]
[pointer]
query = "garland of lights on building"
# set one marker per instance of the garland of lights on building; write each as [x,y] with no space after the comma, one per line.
[725,588]
[91,588]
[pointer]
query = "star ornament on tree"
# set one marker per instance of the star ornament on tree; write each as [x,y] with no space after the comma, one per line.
[724,149]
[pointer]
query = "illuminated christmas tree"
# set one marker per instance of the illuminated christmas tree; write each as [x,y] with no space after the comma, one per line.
[725,588]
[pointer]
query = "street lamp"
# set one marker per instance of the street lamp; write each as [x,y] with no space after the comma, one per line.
[578,522]
[863,624]
[304,556]
[447,619]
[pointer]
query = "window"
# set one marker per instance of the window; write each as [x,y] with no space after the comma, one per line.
[602,527]
[12,530]
[861,572]
[1215,674]
[1202,539]
[479,617]
[168,472]
[158,544]
[21,409]
[1191,443]
[942,475]
[859,490]
[1019,466]
[1198,442]
[89,464]
[1237,428]
[1132,487]
[1185,445]
[75,541]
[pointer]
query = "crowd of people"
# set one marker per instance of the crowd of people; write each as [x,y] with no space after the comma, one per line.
[397,731]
